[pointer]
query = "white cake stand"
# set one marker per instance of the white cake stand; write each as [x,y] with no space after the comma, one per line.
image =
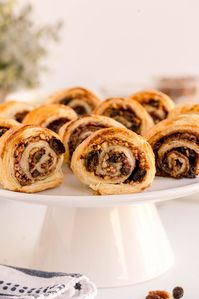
[115,240]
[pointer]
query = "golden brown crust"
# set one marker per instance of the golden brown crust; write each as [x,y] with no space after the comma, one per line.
[175,144]
[30,159]
[188,108]
[73,133]
[156,103]
[51,116]
[15,110]
[114,161]
[127,111]
[82,100]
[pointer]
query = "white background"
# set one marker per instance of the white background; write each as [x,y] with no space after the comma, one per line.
[118,41]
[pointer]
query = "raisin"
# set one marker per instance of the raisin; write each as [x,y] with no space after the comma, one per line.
[80,110]
[116,157]
[20,116]
[57,124]
[92,160]
[66,100]
[57,146]
[154,103]
[138,175]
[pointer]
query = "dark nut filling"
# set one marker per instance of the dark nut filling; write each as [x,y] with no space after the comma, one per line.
[79,109]
[67,100]
[57,124]
[35,155]
[19,116]
[180,161]
[81,133]
[115,159]
[92,160]
[3,130]
[57,146]
[125,116]
[158,113]
[138,173]
[34,158]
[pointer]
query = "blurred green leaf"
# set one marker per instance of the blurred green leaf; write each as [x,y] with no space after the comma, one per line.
[22,46]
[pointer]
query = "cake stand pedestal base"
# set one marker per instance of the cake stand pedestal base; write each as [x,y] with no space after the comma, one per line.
[113,246]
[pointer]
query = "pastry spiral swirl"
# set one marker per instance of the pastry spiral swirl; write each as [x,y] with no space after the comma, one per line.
[189,108]
[76,131]
[51,116]
[128,112]
[156,103]
[30,159]
[80,99]
[175,143]
[6,124]
[114,161]
[15,110]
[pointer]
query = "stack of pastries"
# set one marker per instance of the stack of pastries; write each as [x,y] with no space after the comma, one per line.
[115,146]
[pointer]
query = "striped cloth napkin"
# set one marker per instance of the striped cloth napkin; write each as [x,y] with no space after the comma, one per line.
[18,283]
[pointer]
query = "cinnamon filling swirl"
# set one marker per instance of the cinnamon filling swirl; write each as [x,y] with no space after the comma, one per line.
[57,124]
[156,110]
[81,133]
[19,116]
[36,158]
[177,155]
[125,116]
[116,163]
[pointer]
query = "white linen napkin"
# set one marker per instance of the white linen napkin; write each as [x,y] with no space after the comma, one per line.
[18,283]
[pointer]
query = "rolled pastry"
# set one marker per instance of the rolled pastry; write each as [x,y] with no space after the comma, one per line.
[15,110]
[76,131]
[51,116]
[30,159]
[6,124]
[156,103]
[128,112]
[114,161]
[175,143]
[189,108]
[80,99]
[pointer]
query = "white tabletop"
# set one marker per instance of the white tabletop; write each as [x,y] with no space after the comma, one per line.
[20,224]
